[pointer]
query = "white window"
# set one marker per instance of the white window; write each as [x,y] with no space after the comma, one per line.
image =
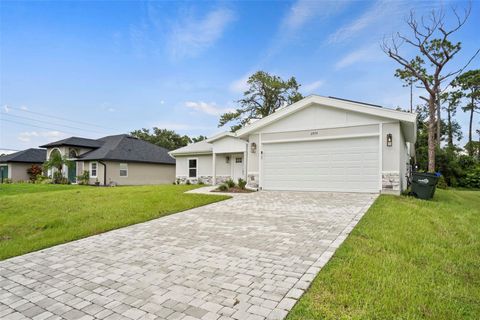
[238,160]
[123,170]
[93,169]
[192,168]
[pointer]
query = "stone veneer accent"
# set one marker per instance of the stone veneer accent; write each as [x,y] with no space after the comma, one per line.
[252,181]
[391,181]
[201,179]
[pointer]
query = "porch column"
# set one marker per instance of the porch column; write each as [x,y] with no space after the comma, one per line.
[245,165]
[214,169]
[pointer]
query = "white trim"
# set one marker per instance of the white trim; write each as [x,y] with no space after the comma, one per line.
[380,156]
[260,160]
[120,170]
[196,168]
[96,169]
[330,102]
[349,125]
[214,168]
[324,138]
[191,153]
[325,190]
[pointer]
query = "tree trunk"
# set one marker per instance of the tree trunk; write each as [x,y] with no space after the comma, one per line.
[470,147]
[431,133]
[438,122]
[449,129]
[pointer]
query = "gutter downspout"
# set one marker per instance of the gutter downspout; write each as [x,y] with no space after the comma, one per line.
[104,172]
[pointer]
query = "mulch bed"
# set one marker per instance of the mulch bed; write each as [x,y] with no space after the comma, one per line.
[234,190]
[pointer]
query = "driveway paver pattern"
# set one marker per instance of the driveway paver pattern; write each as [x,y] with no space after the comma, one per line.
[247,258]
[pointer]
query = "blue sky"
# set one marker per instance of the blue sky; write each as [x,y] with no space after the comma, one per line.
[111,67]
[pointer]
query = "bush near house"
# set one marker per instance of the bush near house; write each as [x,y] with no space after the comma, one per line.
[34,171]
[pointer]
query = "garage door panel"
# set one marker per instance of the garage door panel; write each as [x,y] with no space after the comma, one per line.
[324,165]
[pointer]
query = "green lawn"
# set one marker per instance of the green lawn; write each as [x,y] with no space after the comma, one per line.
[21,188]
[406,259]
[33,219]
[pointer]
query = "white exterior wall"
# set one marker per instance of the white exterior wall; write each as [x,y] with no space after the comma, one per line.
[321,122]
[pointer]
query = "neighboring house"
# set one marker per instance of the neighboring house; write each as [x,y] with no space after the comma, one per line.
[119,159]
[14,166]
[315,144]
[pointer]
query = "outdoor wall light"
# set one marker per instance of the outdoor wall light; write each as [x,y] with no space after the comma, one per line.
[253,147]
[389,139]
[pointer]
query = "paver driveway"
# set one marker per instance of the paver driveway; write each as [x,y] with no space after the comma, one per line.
[250,257]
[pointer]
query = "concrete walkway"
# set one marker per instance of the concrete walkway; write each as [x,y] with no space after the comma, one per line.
[250,257]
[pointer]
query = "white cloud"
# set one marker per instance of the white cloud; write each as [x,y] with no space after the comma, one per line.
[365,54]
[6,108]
[24,108]
[240,85]
[310,87]
[52,134]
[192,36]
[304,11]
[27,136]
[374,16]
[208,108]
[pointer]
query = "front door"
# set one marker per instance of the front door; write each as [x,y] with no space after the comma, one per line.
[72,172]
[237,168]
[3,173]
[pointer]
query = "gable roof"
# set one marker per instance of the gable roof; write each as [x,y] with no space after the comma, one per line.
[26,156]
[204,146]
[126,148]
[408,119]
[74,142]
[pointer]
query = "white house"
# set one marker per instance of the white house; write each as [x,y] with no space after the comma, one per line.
[316,144]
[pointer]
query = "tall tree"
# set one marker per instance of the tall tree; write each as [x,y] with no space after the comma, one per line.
[265,95]
[199,138]
[469,83]
[452,129]
[431,39]
[165,138]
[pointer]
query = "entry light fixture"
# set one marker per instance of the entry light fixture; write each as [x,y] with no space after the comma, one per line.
[389,139]
[253,147]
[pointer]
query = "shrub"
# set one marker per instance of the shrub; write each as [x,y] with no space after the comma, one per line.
[200,182]
[242,183]
[442,183]
[178,181]
[45,181]
[230,183]
[57,177]
[188,182]
[34,171]
[7,181]
[84,178]
[472,179]
[41,178]
[223,187]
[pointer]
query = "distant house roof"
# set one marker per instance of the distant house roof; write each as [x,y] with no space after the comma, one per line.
[26,156]
[129,149]
[74,142]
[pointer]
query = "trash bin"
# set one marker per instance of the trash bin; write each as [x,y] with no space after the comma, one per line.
[424,184]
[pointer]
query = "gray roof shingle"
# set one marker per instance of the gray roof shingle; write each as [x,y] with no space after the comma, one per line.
[26,156]
[130,149]
[75,142]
